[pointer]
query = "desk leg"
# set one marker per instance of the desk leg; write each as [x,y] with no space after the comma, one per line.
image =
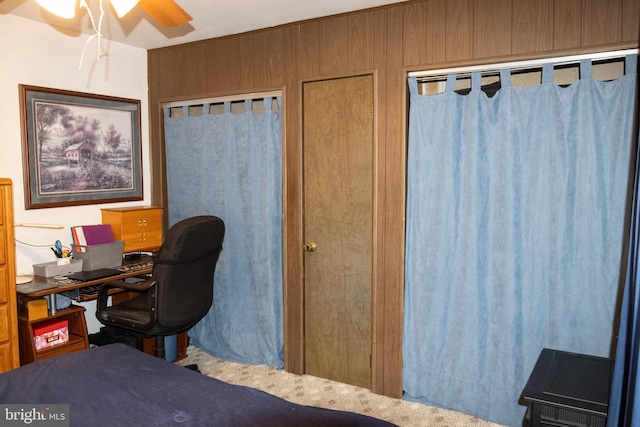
[53,304]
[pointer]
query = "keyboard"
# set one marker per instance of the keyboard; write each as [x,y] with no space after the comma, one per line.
[138,266]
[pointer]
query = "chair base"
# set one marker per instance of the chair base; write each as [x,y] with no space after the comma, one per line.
[112,334]
[158,350]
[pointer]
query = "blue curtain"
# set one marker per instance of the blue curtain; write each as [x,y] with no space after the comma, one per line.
[230,165]
[625,384]
[514,236]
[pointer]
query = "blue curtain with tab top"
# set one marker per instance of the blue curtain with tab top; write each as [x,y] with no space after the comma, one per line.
[230,165]
[515,233]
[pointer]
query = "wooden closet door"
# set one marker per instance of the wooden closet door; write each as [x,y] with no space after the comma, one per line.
[338,218]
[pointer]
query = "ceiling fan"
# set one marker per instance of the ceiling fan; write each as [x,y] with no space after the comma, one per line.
[166,12]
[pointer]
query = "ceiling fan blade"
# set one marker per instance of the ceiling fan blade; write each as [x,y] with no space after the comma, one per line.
[166,12]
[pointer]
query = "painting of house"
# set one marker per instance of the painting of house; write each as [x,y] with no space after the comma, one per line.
[78,152]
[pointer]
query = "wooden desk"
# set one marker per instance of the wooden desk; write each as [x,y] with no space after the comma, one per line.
[78,336]
[45,286]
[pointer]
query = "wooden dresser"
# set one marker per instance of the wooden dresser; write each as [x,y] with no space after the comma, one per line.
[9,355]
[140,227]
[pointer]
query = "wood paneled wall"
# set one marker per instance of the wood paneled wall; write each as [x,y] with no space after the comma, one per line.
[386,42]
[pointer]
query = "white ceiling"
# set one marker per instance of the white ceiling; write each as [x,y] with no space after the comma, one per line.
[211,18]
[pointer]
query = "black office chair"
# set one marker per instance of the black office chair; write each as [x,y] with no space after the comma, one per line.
[180,290]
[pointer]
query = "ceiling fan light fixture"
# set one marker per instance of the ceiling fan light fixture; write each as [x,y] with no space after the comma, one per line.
[123,7]
[61,8]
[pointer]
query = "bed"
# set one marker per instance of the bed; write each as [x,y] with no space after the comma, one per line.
[117,385]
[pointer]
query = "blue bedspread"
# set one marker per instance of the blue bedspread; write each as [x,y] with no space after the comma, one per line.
[116,385]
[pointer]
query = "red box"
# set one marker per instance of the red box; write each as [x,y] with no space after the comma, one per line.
[49,333]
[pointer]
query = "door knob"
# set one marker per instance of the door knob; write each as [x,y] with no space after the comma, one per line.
[310,247]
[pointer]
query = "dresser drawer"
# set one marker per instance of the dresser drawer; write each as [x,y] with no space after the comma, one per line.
[142,241]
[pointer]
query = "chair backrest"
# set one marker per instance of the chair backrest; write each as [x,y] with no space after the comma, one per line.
[184,270]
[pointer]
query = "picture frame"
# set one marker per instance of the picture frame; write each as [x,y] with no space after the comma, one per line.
[79,148]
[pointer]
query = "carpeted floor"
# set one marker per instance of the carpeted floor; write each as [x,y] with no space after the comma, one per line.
[313,391]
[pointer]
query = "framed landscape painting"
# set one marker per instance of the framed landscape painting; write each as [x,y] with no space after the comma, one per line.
[79,148]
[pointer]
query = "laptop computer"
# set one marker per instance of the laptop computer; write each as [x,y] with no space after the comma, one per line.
[101,273]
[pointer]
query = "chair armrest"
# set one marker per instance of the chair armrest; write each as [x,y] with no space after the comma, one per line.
[142,286]
[103,293]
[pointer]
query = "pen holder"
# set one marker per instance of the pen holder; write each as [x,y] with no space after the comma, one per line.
[63,261]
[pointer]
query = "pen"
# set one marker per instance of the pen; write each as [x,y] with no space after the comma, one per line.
[56,252]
